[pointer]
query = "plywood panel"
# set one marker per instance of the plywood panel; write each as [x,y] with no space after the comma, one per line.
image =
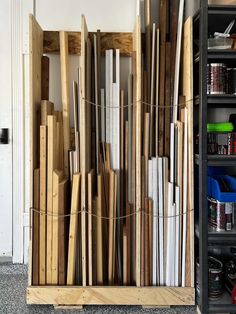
[122,41]
[111,295]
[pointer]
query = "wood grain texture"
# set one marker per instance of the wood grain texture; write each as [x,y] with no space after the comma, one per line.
[83,143]
[57,177]
[122,41]
[51,166]
[188,93]
[111,295]
[90,227]
[43,204]
[75,207]
[138,205]
[63,196]
[100,250]
[45,78]
[35,256]
[65,96]
[46,109]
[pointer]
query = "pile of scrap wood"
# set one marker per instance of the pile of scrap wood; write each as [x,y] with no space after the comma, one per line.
[113,200]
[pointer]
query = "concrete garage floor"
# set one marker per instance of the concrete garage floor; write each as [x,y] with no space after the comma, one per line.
[13,283]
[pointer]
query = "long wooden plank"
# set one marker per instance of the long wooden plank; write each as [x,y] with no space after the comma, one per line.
[90,227]
[147,244]
[100,274]
[46,108]
[57,177]
[111,295]
[109,40]
[152,92]
[65,95]
[83,144]
[157,90]
[63,209]
[111,261]
[43,204]
[167,99]
[177,59]
[75,207]
[35,269]
[148,45]
[137,47]
[45,78]
[188,93]
[51,166]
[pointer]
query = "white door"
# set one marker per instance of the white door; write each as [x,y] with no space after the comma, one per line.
[5,122]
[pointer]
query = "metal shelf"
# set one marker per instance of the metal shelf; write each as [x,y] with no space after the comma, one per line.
[219,54]
[222,9]
[219,237]
[223,305]
[218,160]
[219,101]
[227,54]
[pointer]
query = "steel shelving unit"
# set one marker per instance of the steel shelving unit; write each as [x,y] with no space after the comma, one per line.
[205,20]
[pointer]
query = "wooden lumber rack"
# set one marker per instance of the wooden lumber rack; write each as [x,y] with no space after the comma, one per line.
[58,291]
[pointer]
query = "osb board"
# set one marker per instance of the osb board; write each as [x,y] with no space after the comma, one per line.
[110,295]
[122,41]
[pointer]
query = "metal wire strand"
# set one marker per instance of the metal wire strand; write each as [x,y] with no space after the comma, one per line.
[42,212]
[138,101]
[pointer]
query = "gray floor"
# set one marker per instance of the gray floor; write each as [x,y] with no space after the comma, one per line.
[13,283]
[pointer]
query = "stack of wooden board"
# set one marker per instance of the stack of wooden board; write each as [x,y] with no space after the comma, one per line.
[113,200]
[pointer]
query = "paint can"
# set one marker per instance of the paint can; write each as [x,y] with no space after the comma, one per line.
[220,215]
[215,278]
[217,78]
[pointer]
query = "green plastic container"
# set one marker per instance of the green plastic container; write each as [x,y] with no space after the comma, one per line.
[220,127]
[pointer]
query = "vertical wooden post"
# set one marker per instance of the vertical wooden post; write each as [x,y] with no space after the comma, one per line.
[137,49]
[65,95]
[83,144]
[51,165]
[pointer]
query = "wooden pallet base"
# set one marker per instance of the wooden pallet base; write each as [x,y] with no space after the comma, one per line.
[145,296]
